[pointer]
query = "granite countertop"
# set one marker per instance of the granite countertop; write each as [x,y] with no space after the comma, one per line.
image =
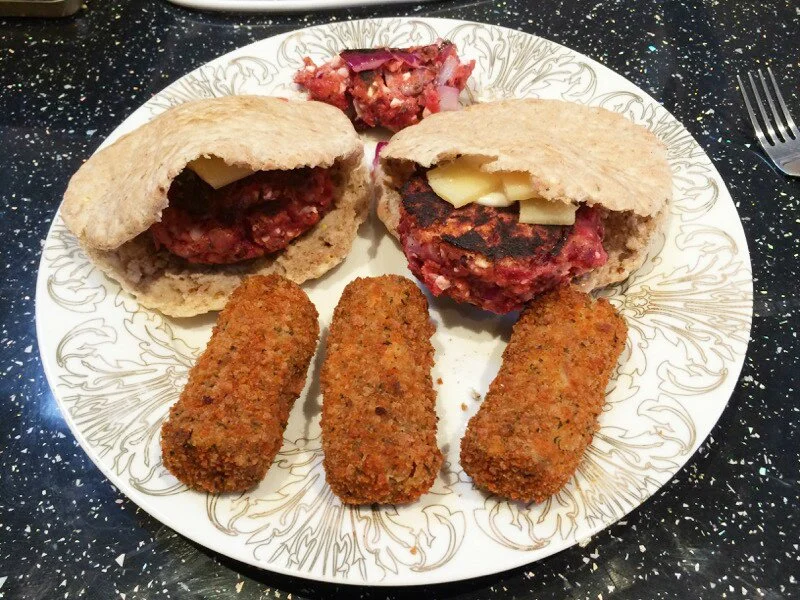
[725,526]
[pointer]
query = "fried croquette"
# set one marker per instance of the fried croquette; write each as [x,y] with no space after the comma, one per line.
[227,426]
[378,409]
[541,410]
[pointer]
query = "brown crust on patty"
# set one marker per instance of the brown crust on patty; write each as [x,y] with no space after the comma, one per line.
[378,412]
[541,410]
[225,430]
[484,256]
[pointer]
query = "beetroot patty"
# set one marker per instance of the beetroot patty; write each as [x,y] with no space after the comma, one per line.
[254,216]
[485,256]
[388,87]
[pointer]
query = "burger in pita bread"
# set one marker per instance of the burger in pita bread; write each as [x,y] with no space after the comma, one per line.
[180,210]
[502,201]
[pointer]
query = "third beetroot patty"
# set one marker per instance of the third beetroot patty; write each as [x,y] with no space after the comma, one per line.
[485,256]
[389,87]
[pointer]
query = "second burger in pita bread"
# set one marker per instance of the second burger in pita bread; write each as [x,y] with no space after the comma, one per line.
[502,201]
[180,210]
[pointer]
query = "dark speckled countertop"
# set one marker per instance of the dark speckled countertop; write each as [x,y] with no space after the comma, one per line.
[726,525]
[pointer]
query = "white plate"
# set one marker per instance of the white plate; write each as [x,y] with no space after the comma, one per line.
[115,367]
[281,5]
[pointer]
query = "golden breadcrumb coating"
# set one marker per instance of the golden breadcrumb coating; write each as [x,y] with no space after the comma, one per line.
[378,410]
[541,410]
[227,426]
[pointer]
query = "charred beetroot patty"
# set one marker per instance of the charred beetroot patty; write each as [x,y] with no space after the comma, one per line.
[397,92]
[485,256]
[249,218]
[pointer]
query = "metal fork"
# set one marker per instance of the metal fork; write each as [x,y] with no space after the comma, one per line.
[781,142]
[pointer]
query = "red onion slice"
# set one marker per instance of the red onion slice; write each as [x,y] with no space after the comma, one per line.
[448,68]
[411,59]
[378,148]
[365,60]
[448,98]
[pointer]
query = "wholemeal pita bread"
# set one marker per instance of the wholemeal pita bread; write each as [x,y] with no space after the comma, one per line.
[120,192]
[573,153]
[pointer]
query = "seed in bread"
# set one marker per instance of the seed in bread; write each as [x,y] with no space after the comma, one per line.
[225,430]
[541,410]
[378,410]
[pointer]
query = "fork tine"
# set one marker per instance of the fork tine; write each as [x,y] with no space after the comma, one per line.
[768,126]
[759,133]
[776,116]
[786,114]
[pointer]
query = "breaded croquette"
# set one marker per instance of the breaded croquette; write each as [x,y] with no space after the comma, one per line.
[378,409]
[227,426]
[541,410]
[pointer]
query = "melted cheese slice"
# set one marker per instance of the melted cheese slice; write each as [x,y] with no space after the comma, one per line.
[517,185]
[216,172]
[462,181]
[538,211]
[496,199]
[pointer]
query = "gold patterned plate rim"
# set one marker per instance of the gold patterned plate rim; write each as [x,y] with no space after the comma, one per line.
[115,367]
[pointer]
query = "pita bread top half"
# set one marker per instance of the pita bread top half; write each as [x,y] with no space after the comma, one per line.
[573,153]
[122,190]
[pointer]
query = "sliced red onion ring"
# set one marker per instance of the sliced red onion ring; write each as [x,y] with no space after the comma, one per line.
[448,98]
